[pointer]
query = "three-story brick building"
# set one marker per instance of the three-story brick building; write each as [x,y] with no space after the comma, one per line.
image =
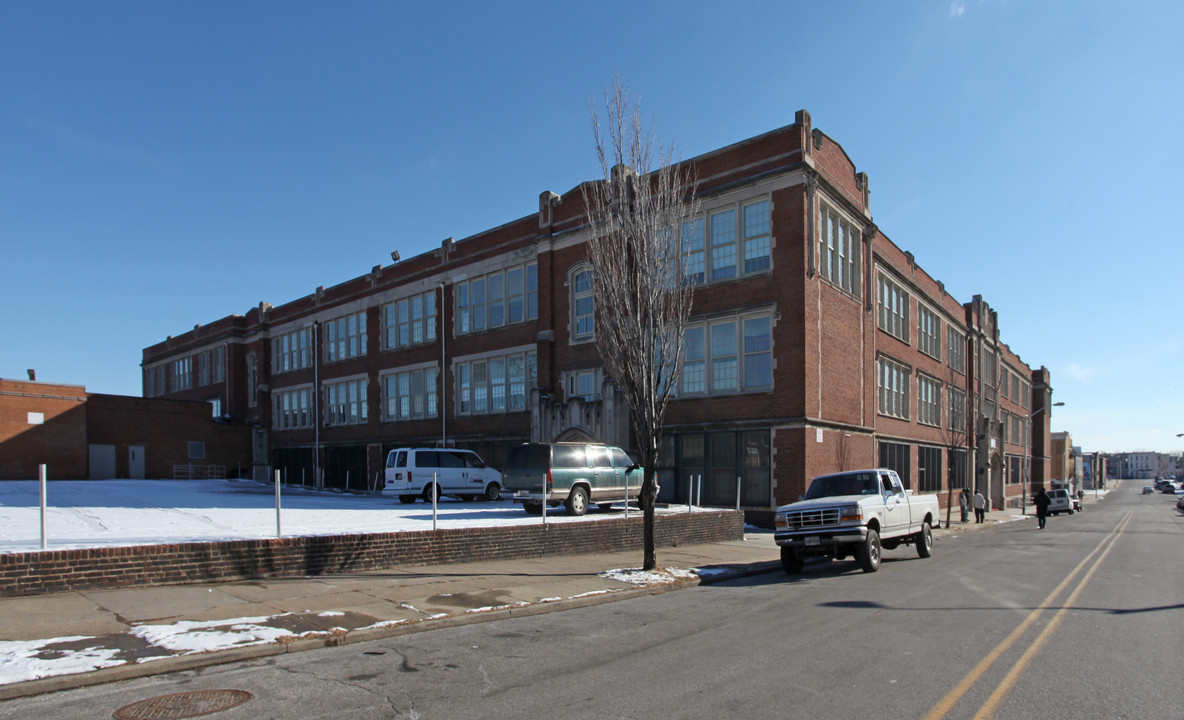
[815,344]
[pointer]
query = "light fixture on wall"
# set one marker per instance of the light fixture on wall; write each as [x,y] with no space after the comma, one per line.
[394,256]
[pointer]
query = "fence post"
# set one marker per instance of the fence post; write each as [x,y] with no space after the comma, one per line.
[278,532]
[737,493]
[41,476]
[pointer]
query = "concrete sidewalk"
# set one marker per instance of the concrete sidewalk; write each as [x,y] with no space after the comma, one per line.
[54,642]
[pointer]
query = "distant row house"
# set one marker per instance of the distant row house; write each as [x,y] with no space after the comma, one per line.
[815,344]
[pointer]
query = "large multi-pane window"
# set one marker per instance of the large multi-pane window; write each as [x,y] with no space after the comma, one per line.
[730,355]
[410,394]
[584,384]
[928,332]
[957,403]
[956,349]
[154,381]
[219,362]
[928,401]
[727,243]
[182,376]
[582,303]
[345,403]
[345,337]
[956,463]
[292,409]
[893,317]
[928,468]
[203,368]
[894,388]
[897,456]
[496,299]
[838,250]
[495,384]
[292,351]
[409,321]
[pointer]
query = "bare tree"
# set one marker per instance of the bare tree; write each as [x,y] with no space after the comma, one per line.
[635,251]
[956,434]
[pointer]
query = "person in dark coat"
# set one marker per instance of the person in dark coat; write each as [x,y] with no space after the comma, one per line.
[1041,501]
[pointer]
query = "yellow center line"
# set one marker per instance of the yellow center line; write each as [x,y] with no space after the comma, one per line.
[988,709]
[953,696]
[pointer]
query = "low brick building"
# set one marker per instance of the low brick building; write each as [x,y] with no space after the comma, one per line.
[79,435]
[815,344]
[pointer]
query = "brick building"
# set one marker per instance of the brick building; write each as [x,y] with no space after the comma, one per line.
[79,435]
[815,344]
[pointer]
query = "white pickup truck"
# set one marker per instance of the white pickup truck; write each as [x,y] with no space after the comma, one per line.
[860,513]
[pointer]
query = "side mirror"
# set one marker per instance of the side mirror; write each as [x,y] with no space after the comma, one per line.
[632,467]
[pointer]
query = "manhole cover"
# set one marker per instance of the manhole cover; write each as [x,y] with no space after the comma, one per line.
[183,705]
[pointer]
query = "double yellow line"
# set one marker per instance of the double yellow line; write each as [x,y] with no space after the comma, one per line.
[1093,560]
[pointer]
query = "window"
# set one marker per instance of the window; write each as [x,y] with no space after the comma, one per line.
[292,409]
[215,406]
[584,384]
[839,246]
[928,468]
[734,251]
[692,251]
[956,462]
[894,309]
[409,321]
[292,351]
[345,337]
[928,332]
[582,304]
[197,450]
[731,355]
[409,394]
[503,297]
[756,237]
[896,456]
[894,389]
[957,404]
[154,381]
[928,401]
[694,375]
[956,347]
[252,380]
[345,403]
[182,374]
[495,384]
[203,368]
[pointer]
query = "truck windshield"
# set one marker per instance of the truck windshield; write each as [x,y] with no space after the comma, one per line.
[849,484]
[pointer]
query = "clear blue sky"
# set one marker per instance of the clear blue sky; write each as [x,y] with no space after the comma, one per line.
[167,164]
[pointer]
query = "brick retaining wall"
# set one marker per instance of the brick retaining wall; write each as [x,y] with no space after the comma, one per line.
[37,573]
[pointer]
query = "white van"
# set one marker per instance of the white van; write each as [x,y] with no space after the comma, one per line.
[458,473]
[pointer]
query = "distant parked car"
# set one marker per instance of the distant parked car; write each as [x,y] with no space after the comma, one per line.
[1168,489]
[1148,490]
[1180,503]
[1059,502]
[413,473]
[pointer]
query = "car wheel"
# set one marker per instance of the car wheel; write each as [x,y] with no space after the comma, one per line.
[604,507]
[407,499]
[791,561]
[533,508]
[577,501]
[924,541]
[428,490]
[869,552]
[1068,512]
[493,492]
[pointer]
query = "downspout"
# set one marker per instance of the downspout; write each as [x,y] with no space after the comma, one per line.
[316,395]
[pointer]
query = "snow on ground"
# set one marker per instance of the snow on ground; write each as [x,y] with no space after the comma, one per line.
[101,513]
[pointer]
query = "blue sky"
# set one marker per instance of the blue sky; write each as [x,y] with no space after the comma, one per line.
[168,164]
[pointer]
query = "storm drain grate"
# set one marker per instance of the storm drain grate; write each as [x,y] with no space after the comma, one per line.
[183,705]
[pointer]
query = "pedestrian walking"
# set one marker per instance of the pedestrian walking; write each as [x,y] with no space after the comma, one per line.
[980,506]
[964,504]
[1041,501]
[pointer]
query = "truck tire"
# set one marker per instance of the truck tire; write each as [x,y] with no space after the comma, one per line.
[493,492]
[791,562]
[869,552]
[924,541]
[408,499]
[533,508]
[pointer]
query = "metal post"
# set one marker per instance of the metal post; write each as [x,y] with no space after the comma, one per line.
[41,475]
[435,492]
[278,532]
[737,493]
[627,496]
[699,491]
[544,503]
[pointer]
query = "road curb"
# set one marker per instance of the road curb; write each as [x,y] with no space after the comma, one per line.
[181,663]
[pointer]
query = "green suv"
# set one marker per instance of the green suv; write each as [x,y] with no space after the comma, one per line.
[574,474]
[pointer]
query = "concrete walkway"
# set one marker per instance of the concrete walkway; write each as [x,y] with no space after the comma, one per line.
[54,642]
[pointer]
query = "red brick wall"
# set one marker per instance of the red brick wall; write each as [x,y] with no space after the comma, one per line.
[59,443]
[38,573]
